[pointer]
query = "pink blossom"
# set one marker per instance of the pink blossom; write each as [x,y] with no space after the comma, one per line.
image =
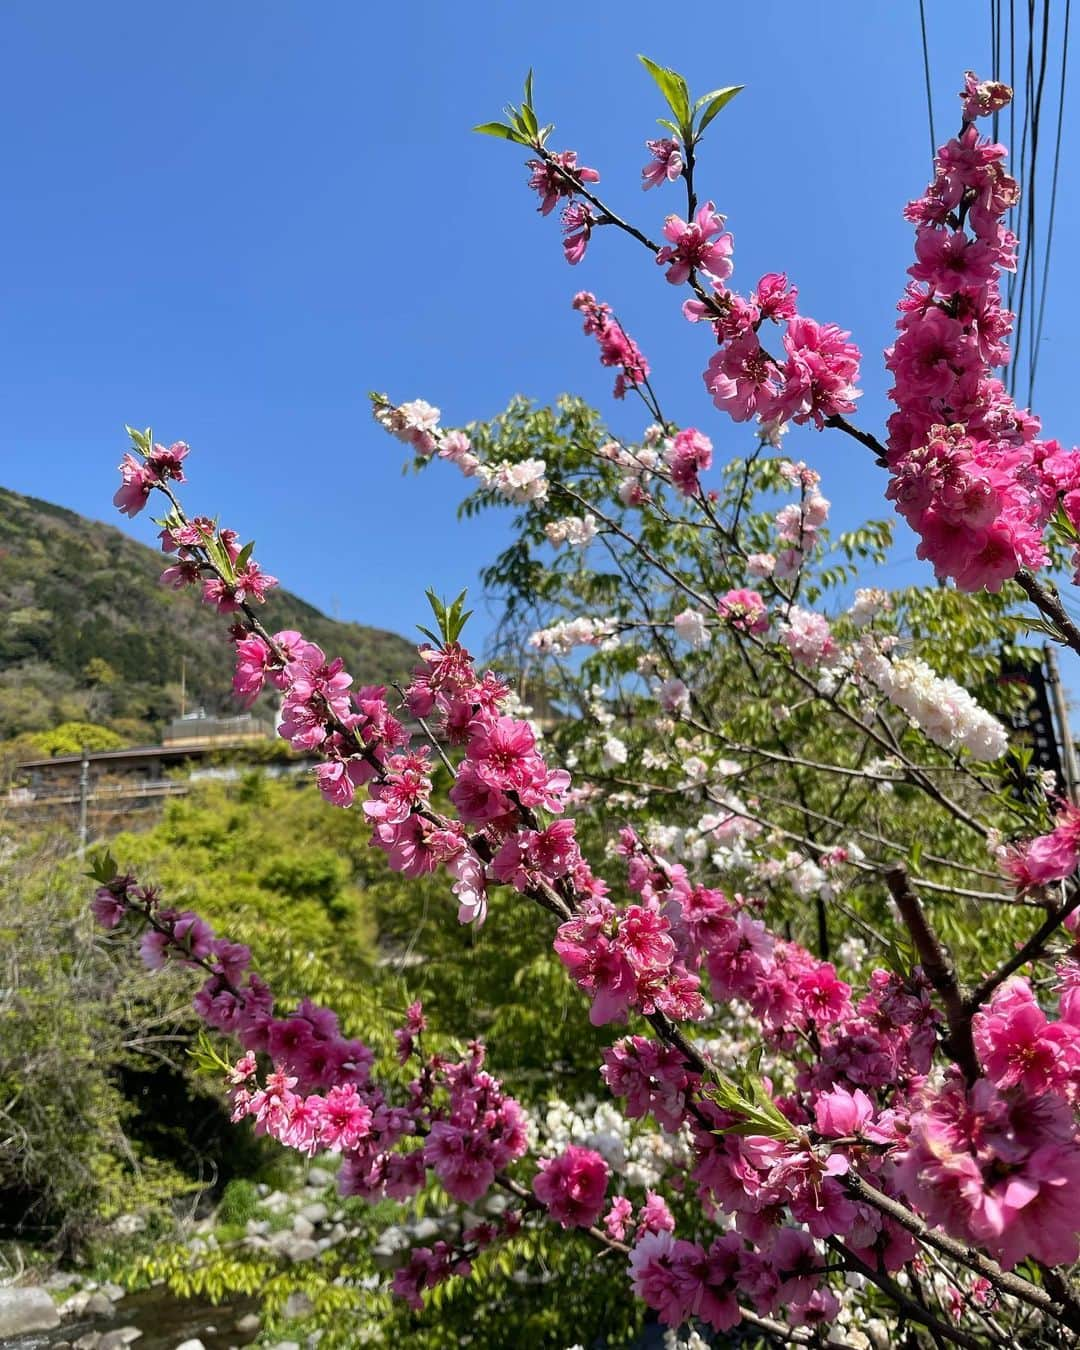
[702,245]
[559,175]
[744,610]
[572,1186]
[743,379]
[134,490]
[665,165]
[687,455]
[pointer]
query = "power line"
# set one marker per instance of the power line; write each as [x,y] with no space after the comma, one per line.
[926,74]
[1053,199]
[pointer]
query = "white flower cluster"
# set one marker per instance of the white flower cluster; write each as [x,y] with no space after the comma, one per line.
[519,483]
[868,604]
[640,1154]
[638,463]
[577,531]
[691,627]
[564,636]
[947,714]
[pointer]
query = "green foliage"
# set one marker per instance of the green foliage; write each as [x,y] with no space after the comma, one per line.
[70,737]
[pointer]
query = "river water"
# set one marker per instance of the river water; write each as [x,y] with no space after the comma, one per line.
[164,1320]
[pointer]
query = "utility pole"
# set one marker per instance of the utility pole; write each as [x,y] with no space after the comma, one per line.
[1069,769]
[84,794]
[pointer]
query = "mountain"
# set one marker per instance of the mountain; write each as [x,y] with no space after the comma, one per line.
[88,634]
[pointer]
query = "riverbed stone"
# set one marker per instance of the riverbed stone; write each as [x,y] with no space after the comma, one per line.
[118,1339]
[316,1212]
[247,1324]
[75,1306]
[62,1279]
[298,1305]
[89,1341]
[99,1304]
[303,1227]
[114,1291]
[193,1344]
[319,1176]
[26,1309]
[302,1249]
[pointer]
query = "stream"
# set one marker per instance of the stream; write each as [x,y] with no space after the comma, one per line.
[164,1320]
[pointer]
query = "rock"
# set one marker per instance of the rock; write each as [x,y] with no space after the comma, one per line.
[89,1341]
[303,1227]
[298,1305]
[319,1176]
[257,1227]
[424,1230]
[338,1216]
[338,1234]
[76,1304]
[29,1309]
[60,1345]
[247,1324]
[118,1339]
[127,1224]
[276,1202]
[61,1279]
[315,1213]
[99,1305]
[113,1291]
[301,1249]
[193,1344]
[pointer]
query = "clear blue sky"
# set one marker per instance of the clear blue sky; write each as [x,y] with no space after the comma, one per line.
[231,220]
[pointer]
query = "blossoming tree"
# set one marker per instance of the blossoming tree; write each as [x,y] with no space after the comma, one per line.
[868,1136]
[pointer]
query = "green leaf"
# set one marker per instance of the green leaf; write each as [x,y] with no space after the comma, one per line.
[674,89]
[501,130]
[718,100]
[102,866]
[529,89]
[244,556]
[142,440]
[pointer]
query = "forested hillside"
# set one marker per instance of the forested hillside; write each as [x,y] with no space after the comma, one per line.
[87,633]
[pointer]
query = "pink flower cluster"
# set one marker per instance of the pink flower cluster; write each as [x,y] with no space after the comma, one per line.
[998,1169]
[199,547]
[688,454]
[558,176]
[139,477]
[617,348]
[1048,857]
[572,1186]
[745,611]
[816,381]
[682,1279]
[469,1128]
[969,473]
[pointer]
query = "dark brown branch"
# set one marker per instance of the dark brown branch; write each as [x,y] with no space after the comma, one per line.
[1047,601]
[939,970]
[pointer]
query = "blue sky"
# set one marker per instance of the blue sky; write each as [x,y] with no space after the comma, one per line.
[231,220]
